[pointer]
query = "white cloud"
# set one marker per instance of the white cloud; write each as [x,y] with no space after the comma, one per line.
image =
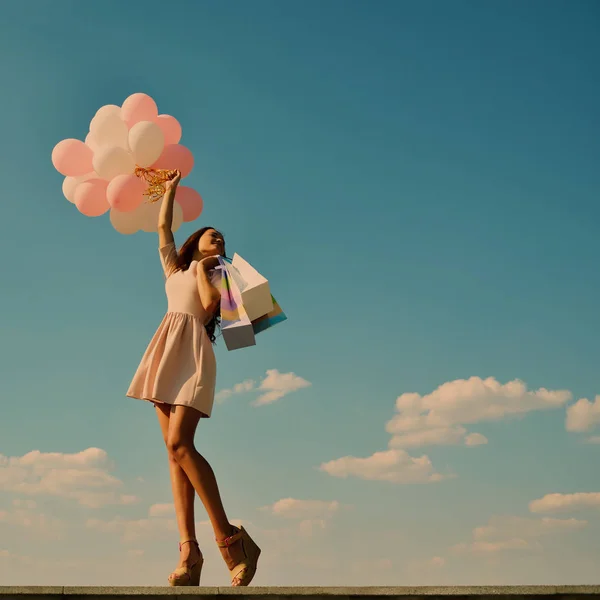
[438,418]
[553,503]
[25,516]
[313,515]
[513,527]
[161,510]
[394,466]
[132,530]
[238,388]
[506,533]
[492,547]
[24,503]
[425,566]
[583,415]
[276,385]
[292,508]
[158,525]
[475,439]
[308,527]
[437,436]
[82,476]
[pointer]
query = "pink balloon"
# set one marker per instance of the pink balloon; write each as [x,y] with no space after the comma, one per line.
[90,197]
[125,192]
[176,156]
[170,127]
[72,158]
[190,201]
[138,107]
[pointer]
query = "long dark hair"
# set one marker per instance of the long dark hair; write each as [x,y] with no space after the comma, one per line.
[182,263]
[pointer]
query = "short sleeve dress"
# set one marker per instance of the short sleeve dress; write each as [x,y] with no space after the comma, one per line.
[179,365]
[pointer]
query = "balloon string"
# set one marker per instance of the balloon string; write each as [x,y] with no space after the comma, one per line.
[155,178]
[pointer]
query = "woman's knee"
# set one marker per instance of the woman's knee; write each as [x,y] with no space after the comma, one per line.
[178,448]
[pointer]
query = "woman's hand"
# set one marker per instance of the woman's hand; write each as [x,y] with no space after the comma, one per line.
[173,180]
[209,263]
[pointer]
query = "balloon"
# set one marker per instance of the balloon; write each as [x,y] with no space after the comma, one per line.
[146,141]
[108,109]
[109,129]
[177,217]
[91,142]
[176,156]
[90,197]
[72,158]
[112,161]
[126,222]
[170,127]
[190,201]
[138,107]
[125,192]
[70,184]
[150,217]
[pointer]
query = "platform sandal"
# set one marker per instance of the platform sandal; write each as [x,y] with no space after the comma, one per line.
[187,575]
[243,573]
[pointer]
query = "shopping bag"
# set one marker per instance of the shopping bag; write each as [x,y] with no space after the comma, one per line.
[256,294]
[272,318]
[236,327]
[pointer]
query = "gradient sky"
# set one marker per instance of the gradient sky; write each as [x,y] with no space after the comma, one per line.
[420,183]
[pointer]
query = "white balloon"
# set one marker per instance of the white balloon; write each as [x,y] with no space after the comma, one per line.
[112,161]
[177,217]
[108,109]
[108,129]
[126,223]
[91,142]
[70,183]
[149,216]
[146,141]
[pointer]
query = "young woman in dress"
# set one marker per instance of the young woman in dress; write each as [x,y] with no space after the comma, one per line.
[177,374]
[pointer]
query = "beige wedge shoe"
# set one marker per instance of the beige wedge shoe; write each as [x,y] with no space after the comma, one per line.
[187,575]
[243,573]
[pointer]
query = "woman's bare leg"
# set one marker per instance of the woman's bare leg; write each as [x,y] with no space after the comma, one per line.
[183,496]
[183,421]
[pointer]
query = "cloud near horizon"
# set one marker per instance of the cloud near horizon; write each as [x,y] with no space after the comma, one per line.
[82,476]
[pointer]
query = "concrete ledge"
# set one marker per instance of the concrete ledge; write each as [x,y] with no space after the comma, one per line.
[550,592]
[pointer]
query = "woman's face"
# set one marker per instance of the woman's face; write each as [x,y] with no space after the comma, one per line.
[211,243]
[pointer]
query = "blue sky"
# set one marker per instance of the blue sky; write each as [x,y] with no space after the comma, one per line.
[419,182]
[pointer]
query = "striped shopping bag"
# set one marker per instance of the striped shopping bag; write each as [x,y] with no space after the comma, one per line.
[236,327]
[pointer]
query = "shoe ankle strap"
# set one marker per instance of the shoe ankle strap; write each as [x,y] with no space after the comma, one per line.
[232,539]
[191,541]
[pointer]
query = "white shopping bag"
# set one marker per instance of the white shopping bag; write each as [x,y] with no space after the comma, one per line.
[254,288]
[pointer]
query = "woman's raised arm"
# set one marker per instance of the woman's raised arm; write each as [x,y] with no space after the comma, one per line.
[165,217]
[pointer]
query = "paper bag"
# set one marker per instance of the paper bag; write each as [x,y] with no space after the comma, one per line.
[270,319]
[236,327]
[256,295]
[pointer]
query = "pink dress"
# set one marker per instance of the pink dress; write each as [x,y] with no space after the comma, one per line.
[179,365]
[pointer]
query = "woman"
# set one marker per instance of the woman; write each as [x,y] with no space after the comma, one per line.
[177,374]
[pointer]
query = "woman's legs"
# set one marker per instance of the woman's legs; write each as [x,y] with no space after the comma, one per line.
[183,496]
[180,445]
[181,428]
